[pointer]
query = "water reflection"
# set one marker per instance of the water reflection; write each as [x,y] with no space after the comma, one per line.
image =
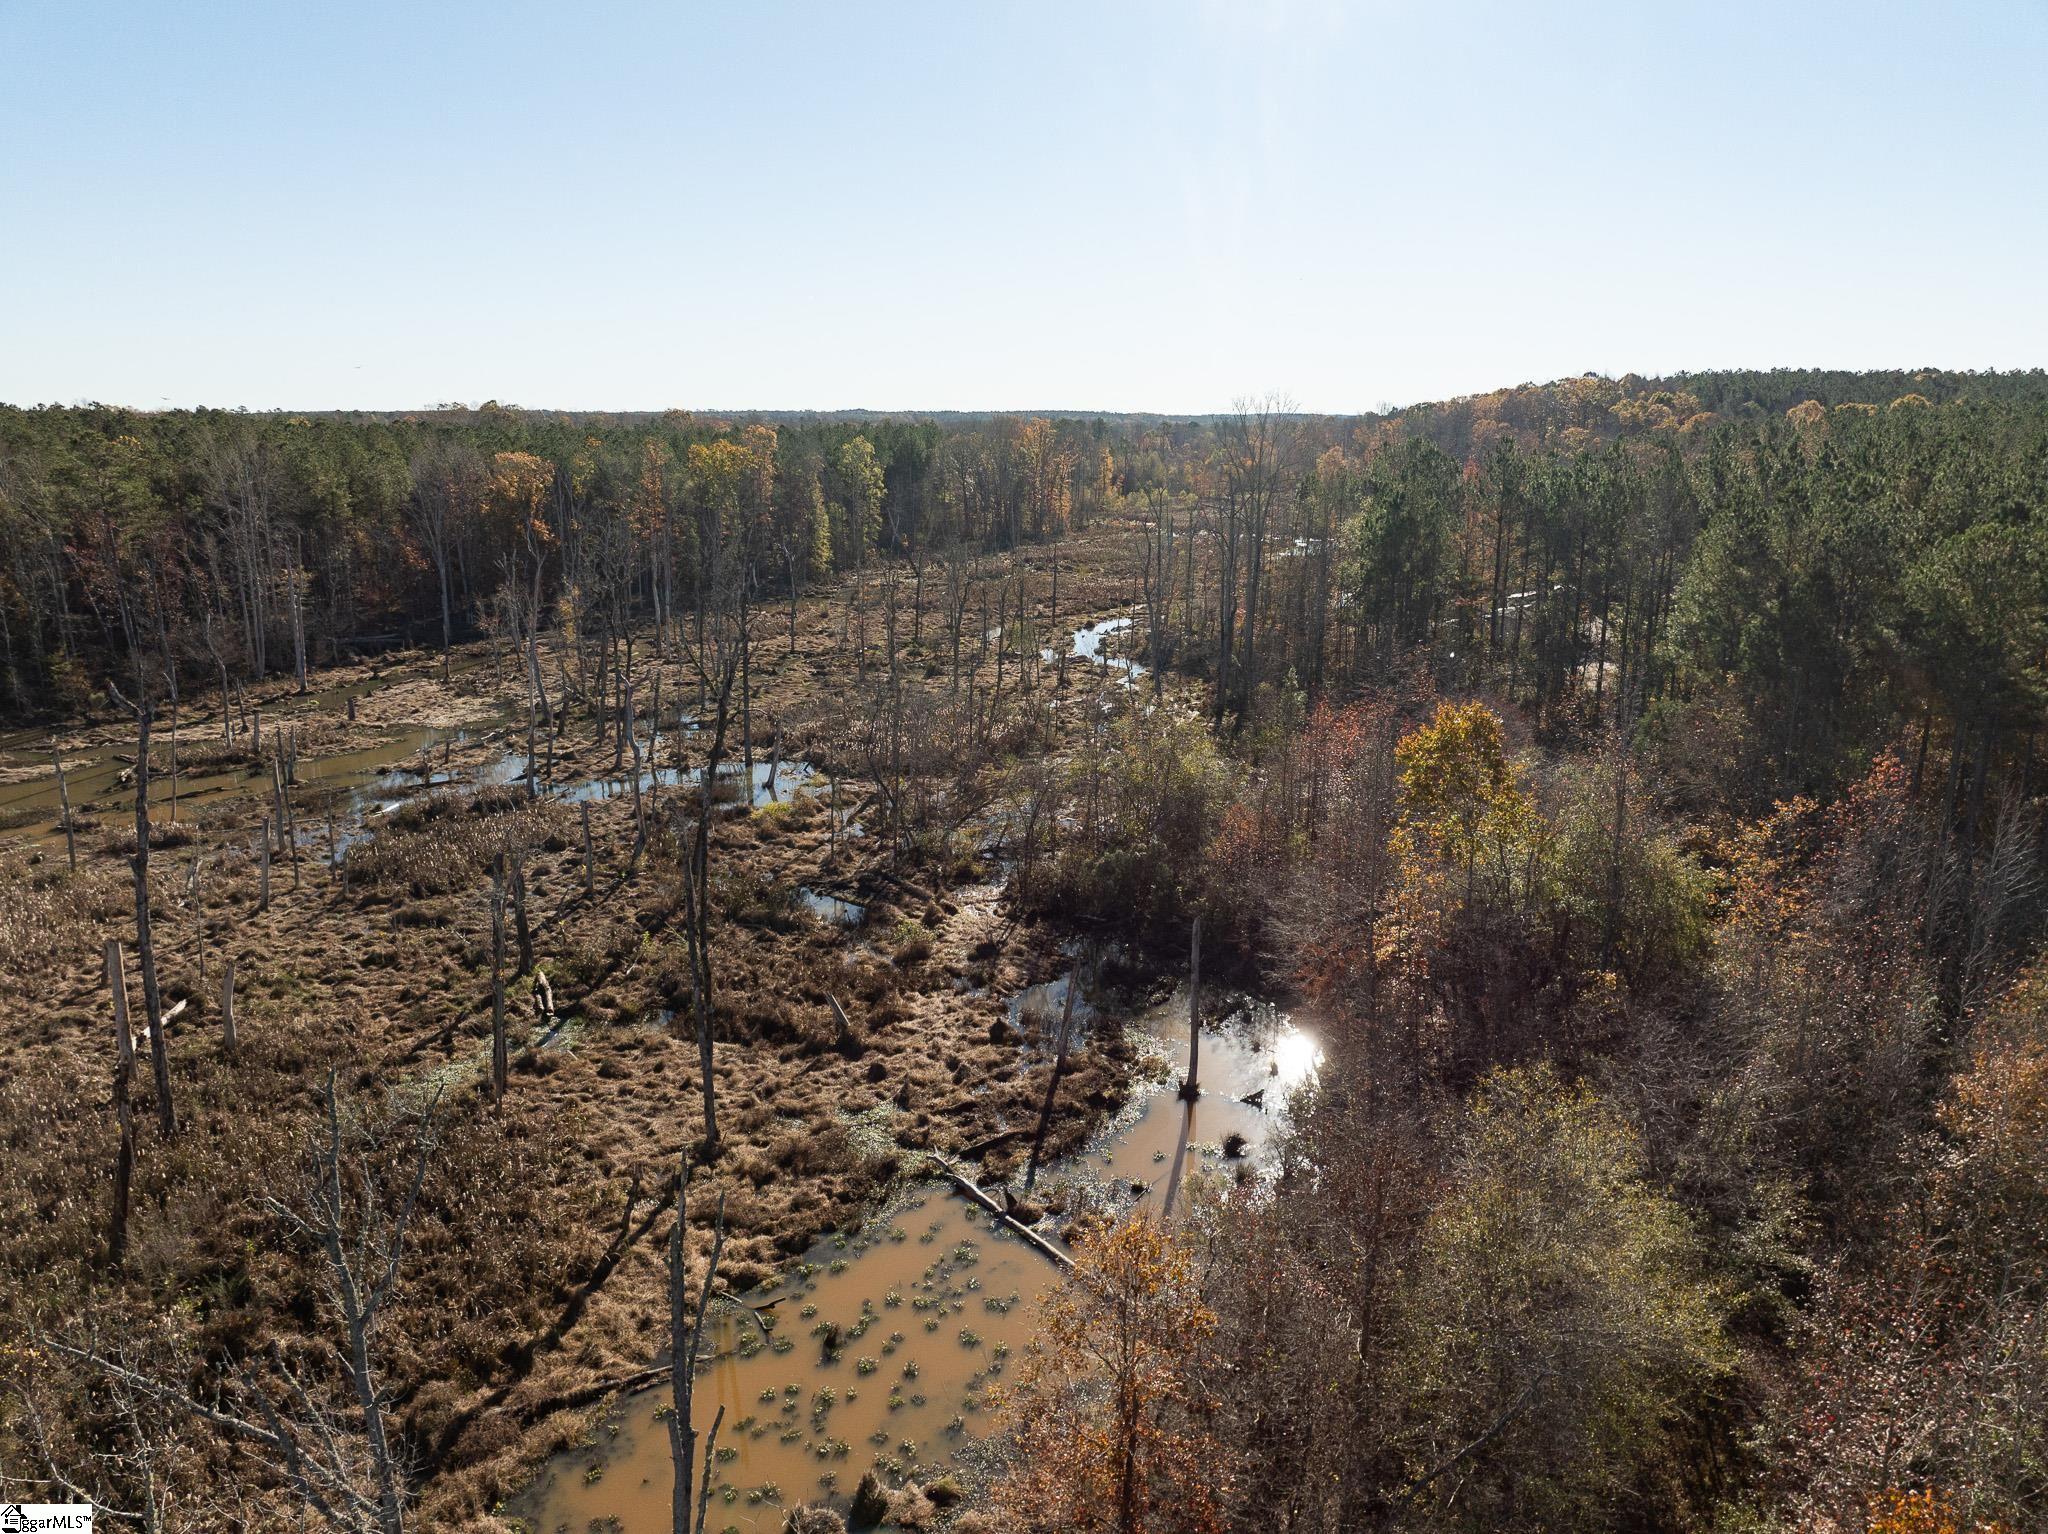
[1086,645]
[830,909]
[770,783]
[926,1305]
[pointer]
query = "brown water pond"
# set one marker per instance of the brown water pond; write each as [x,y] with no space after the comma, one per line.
[881,1348]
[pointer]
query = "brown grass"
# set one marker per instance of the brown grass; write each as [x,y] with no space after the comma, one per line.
[382,972]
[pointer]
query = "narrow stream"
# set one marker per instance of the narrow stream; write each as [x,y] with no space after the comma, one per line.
[1086,645]
[882,1345]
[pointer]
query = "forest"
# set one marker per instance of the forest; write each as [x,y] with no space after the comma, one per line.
[1472,968]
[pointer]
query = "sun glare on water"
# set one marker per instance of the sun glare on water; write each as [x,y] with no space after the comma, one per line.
[1296,1057]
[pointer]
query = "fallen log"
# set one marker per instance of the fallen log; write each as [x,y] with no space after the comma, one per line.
[1025,1233]
[981,1148]
[588,1395]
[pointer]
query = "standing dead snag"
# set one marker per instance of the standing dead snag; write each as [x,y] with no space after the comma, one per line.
[498,1059]
[145,950]
[117,983]
[639,807]
[377,1243]
[686,1339]
[287,821]
[717,663]
[64,805]
[697,942]
[1191,1088]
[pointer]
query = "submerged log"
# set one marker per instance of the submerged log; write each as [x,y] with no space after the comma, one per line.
[1025,1233]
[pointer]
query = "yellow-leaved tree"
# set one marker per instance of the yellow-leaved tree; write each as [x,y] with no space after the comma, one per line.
[1463,802]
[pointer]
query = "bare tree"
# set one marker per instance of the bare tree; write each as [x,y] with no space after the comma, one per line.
[1255,449]
[145,949]
[716,655]
[342,1465]
[1158,581]
[447,484]
[686,1341]
[295,585]
[64,806]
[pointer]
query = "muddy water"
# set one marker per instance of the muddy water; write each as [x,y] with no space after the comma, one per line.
[354,784]
[1254,1051]
[930,1305]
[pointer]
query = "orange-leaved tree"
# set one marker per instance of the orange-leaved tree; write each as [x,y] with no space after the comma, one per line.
[1923,1512]
[1107,1415]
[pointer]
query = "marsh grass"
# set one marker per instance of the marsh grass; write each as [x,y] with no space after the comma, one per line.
[444,842]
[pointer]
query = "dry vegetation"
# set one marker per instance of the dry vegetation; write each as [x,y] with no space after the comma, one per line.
[529,1278]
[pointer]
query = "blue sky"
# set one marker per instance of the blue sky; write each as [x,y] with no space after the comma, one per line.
[969,205]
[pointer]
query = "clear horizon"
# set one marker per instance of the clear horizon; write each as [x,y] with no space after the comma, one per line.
[1156,210]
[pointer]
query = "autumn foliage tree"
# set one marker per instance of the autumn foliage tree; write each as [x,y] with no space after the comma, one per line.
[1109,1414]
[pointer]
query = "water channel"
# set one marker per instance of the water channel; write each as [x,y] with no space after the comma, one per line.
[880,1347]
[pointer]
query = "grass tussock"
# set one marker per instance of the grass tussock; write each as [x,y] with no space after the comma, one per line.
[51,920]
[445,842]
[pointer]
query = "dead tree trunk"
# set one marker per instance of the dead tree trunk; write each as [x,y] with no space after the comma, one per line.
[363,1271]
[639,806]
[64,805]
[117,983]
[288,823]
[747,700]
[696,928]
[1191,1088]
[589,860]
[145,950]
[654,741]
[498,1060]
[686,1337]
